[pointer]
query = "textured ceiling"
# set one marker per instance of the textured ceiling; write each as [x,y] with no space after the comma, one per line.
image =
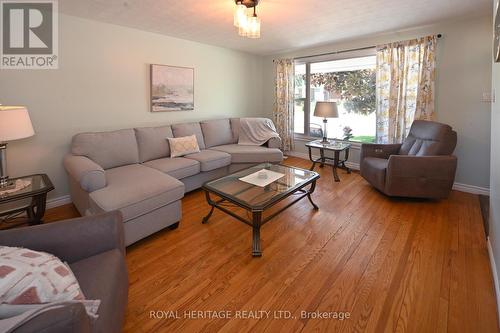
[286,24]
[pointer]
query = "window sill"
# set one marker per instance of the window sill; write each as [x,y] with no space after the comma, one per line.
[302,138]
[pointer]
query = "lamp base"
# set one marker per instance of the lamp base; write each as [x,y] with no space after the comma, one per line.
[325,141]
[4,179]
[325,135]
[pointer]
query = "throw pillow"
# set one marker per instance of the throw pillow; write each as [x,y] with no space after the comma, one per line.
[183,145]
[30,277]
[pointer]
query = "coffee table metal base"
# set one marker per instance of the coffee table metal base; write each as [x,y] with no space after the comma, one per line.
[257,220]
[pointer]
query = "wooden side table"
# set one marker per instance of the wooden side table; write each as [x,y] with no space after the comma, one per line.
[336,148]
[36,193]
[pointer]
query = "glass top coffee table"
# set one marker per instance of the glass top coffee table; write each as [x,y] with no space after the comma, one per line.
[257,199]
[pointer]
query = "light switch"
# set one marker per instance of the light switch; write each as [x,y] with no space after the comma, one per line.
[488,97]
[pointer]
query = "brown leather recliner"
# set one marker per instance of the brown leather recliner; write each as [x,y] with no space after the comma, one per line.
[421,167]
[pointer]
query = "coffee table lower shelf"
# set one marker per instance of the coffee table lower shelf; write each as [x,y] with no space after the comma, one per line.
[257,220]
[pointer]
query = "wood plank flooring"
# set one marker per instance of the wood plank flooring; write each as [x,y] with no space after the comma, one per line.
[391,264]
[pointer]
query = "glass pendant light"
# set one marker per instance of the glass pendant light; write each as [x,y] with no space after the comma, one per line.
[243,29]
[244,26]
[253,29]
[240,15]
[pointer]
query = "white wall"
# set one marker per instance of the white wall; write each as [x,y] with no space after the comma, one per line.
[103,84]
[464,73]
[494,223]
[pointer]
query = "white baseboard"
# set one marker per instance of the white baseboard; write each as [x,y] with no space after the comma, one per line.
[471,189]
[456,186]
[59,201]
[495,275]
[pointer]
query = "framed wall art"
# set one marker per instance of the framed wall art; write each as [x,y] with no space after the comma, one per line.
[172,88]
[496,47]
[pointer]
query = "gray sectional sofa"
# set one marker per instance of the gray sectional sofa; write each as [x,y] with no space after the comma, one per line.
[130,170]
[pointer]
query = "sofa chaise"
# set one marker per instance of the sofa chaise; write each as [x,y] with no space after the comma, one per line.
[130,170]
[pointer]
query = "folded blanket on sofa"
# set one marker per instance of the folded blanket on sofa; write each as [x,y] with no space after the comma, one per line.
[256,131]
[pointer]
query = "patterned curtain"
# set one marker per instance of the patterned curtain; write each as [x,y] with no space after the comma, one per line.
[283,111]
[405,86]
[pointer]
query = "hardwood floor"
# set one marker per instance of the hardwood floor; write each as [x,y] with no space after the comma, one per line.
[392,264]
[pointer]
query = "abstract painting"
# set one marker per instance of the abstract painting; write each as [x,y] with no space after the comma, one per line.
[172,88]
[496,50]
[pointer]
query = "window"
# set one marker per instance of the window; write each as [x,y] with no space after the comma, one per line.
[351,83]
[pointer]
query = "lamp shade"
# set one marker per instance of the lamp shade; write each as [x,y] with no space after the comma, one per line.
[15,123]
[326,110]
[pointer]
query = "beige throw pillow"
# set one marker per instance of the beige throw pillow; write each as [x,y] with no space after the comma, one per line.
[183,145]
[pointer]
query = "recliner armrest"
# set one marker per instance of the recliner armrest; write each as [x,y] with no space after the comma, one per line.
[86,172]
[432,167]
[379,150]
[71,240]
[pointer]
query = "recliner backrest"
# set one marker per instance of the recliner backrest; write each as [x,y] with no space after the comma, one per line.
[429,138]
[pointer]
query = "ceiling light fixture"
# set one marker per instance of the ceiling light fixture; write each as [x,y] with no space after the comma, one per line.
[248,25]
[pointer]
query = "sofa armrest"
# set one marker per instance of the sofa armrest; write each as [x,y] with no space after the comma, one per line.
[71,240]
[431,167]
[86,172]
[69,318]
[379,150]
[274,143]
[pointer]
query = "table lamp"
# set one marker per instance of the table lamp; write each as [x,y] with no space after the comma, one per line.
[326,110]
[15,124]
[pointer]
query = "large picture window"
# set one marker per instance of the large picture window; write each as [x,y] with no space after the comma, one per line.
[351,83]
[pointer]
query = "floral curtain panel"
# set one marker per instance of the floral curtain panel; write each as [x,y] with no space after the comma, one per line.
[283,111]
[405,86]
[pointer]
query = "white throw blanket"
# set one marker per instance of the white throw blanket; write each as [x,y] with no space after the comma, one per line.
[256,131]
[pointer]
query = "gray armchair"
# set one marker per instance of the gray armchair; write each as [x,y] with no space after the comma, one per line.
[94,249]
[422,166]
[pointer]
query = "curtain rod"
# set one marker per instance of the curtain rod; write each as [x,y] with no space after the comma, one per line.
[343,51]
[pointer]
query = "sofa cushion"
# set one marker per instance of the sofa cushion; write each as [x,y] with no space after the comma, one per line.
[104,277]
[108,149]
[178,167]
[152,142]
[216,132]
[374,170]
[211,159]
[187,129]
[135,190]
[235,129]
[251,154]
